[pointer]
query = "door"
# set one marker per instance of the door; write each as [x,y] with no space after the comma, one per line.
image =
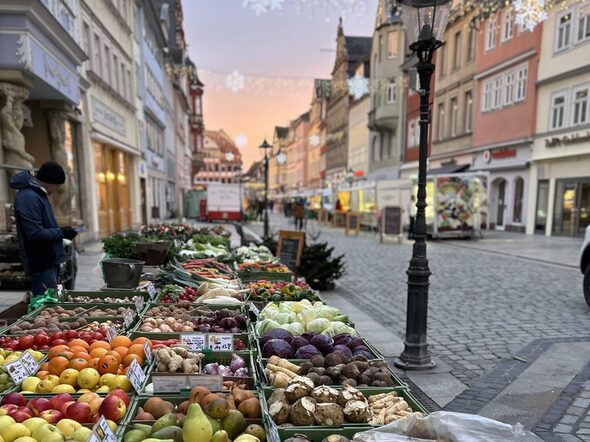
[572,207]
[501,205]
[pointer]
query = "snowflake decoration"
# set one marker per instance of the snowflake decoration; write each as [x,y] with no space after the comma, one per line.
[314,140]
[281,158]
[241,140]
[262,6]
[529,13]
[235,81]
[229,156]
[358,86]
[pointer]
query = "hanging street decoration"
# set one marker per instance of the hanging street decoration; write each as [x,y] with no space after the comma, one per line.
[529,13]
[235,81]
[358,86]
[262,6]
[241,140]
[314,140]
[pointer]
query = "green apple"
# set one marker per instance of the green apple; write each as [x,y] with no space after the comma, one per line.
[42,431]
[81,434]
[56,436]
[33,422]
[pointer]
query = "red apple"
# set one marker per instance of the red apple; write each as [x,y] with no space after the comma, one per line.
[95,405]
[39,404]
[56,335]
[80,412]
[14,398]
[25,342]
[8,408]
[113,408]
[120,393]
[52,416]
[70,334]
[58,400]
[58,342]
[98,336]
[63,407]
[21,414]
[41,339]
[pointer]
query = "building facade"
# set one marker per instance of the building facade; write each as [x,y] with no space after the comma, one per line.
[277,171]
[316,169]
[386,113]
[223,160]
[559,189]
[358,137]
[298,151]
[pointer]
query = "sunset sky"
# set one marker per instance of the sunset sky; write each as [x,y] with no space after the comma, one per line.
[276,54]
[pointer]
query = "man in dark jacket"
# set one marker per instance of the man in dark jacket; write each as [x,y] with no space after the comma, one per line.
[39,236]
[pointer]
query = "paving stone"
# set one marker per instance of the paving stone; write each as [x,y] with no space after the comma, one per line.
[562,428]
[569,419]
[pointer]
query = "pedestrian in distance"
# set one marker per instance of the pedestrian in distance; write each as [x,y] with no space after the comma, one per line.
[412,216]
[338,205]
[299,214]
[39,236]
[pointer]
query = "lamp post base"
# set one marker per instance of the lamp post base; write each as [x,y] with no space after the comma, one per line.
[413,365]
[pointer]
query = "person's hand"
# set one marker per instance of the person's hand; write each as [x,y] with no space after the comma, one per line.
[68,233]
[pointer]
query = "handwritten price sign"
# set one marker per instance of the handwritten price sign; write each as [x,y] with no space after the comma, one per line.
[194,341]
[221,342]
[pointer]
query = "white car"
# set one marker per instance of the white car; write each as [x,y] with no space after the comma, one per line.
[585,264]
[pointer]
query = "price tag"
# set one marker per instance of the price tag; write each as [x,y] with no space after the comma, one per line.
[210,382]
[221,342]
[29,362]
[112,333]
[194,341]
[139,303]
[17,371]
[93,437]
[136,376]
[152,291]
[128,317]
[169,383]
[147,349]
[273,430]
[102,428]
[254,309]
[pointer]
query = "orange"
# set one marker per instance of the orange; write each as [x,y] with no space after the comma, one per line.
[56,350]
[121,341]
[57,365]
[108,364]
[44,366]
[78,364]
[77,349]
[43,373]
[100,344]
[78,343]
[93,363]
[116,355]
[83,354]
[141,340]
[98,352]
[67,354]
[129,359]
[137,349]
[122,351]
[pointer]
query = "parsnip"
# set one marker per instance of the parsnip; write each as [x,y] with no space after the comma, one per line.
[277,369]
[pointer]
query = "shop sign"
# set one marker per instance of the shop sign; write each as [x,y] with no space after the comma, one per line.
[501,154]
[105,115]
[565,140]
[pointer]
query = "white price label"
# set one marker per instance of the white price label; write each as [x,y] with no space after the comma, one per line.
[194,341]
[221,342]
[29,362]
[210,382]
[112,333]
[128,317]
[147,349]
[93,437]
[168,383]
[17,371]
[103,432]
[139,303]
[254,309]
[152,291]
[136,376]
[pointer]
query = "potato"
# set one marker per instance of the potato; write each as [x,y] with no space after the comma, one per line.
[329,415]
[279,412]
[303,412]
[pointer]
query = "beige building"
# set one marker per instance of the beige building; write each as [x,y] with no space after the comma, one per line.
[560,171]
[358,137]
[386,110]
[277,170]
[109,105]
[316,149]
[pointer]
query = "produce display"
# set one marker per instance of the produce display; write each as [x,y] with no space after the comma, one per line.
[211,357]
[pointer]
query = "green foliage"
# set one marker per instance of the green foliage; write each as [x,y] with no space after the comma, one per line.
[214,240]
[121,245]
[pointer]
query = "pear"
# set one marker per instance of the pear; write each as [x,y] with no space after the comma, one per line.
[256,431]
[215,425]
[134,436]
[247,438]
[196,425]
[147,429]
[234,423]
[220,436]
[165,421]
[172,432]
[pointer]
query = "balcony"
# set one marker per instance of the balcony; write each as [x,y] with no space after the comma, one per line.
[383,119]
[196,121]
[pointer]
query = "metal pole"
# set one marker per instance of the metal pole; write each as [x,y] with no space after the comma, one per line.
[415,355]
[266,233]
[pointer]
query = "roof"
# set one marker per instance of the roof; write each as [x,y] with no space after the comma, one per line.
[357,48]
[281,132]
[224,144]
[254,167]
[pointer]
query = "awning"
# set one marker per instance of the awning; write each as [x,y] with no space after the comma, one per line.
[449,168]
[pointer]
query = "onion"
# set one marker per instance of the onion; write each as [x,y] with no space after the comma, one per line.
[225,371]
[236,363]
[241,372]
[212,368]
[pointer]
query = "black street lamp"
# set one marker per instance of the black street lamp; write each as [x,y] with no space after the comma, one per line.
[265,146]
[425,21]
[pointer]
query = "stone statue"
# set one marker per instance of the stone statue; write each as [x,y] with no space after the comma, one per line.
[61,200]
[11,121]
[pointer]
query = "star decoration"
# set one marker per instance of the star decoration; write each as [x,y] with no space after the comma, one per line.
[235,81]
[358,86]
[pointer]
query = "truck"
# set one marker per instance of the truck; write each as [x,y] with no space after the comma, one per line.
[224,202]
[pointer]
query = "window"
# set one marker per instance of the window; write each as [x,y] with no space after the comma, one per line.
[115,73]
[472,44]
[497,92]
[107,64]
[508,88]
[123,91]
[584,23]
[97,61]
[129,88]
[521,77]
[490,35]
[581,105]
[440,62]
[441,121]
[486,102]
[454,116]
[468,111]
[391,96]
[380,47]
[86,42]
[564,30]
[557,111]
[507,25]
[392,44]
[457,49]
[518,196]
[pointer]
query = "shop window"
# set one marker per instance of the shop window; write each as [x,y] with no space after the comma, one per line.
[542,206]
[557,111]
[518,197]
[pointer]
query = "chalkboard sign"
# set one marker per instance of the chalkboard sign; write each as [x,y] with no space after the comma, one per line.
[353,222]
[290,248]
[391,221]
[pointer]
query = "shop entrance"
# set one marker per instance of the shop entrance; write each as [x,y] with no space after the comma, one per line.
[501,206]
[572,207]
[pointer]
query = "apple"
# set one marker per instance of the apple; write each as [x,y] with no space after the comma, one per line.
[68,426]
[121,393]
[14,398]
[58,342]
[39,404]
[97,336]
[63,407]
[58,400]
[113,408]
[25,342]
[95,405]
[41,339]
[43,431]
[6,409]
[88,397]
[70,334]
[21,414]
[79,412]
[51,416]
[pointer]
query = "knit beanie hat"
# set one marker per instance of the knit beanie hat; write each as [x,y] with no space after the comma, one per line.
[52,173]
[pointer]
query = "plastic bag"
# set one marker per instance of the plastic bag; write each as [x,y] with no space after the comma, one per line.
[446,426]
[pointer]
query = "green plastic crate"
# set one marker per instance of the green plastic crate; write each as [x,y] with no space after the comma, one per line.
[265,276]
